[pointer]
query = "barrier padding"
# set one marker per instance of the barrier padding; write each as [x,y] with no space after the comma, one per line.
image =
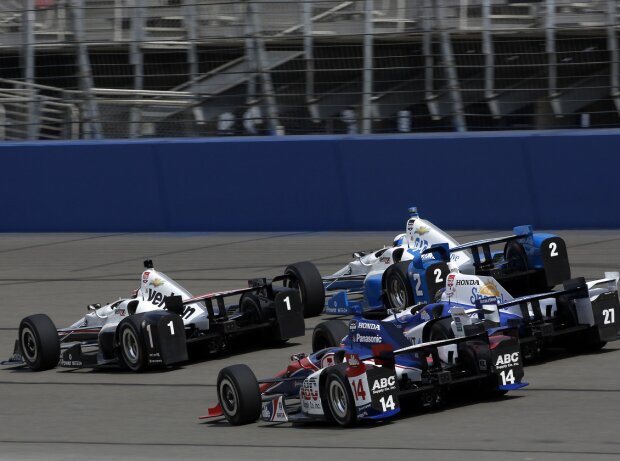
[553,180]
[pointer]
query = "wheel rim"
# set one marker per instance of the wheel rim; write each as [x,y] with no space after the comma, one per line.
[29,344]
[397,292]
[338,399]
[228,397]
[294,284]
[130,346]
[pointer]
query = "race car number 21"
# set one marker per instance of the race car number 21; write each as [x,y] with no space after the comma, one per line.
[609,316]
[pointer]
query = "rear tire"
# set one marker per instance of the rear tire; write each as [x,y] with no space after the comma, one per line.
[249,304]
[339,402]
[439,331]
[305,277]
[38,338]
[515,255]
[238,394]
[398,291]
[329,334]
[132,352]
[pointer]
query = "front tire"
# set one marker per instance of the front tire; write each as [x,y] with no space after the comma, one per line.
[38,338]
[238,394]
[329,334]
[305,277]
[340,405]
[398,291]
[132,350]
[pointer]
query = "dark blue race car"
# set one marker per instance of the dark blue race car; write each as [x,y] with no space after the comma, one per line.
[580,315]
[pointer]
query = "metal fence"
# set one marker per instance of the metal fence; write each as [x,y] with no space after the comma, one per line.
[143,68]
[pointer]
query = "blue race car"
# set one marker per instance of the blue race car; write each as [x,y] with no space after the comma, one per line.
[364,378]
[415,268]
[582,315]
[484,361]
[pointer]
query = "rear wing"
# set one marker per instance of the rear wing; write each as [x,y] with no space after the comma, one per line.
[176,303]
[611,279]
[442,251]
[431,345]
[573,289]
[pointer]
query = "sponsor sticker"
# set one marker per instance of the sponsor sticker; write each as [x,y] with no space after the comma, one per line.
[156,282]
[450,284]
[367,339]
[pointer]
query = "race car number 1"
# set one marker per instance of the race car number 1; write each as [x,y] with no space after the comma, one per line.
[170,325]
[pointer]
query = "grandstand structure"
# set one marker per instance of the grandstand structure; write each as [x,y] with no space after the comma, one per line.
[94,69]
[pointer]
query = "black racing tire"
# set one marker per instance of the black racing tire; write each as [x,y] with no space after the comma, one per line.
[132,350]
[515,255]
[249,304]
[305,277]
[329,334]
[238,394]
[338,398]
[38,338]
[398,290]
[439,331]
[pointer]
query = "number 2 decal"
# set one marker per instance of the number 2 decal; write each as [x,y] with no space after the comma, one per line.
[438,277]
[554,249]
[418,285]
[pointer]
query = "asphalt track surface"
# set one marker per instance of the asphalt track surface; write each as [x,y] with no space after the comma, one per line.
[569,412]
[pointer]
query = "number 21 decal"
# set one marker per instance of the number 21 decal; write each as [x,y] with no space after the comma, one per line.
[609,316]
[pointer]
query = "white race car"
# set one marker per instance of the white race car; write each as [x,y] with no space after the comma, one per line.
[415,267]
[154,326]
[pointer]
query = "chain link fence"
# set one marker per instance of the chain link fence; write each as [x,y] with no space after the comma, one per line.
[149,68]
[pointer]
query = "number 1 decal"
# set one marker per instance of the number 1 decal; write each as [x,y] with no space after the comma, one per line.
[148,330]
[287,301]
[171,326]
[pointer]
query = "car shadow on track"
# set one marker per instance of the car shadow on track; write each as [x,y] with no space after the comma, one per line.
[555,354]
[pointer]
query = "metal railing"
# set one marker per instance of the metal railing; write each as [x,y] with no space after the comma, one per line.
[119,68]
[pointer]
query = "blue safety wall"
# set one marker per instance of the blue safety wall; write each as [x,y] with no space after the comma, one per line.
[552,180]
